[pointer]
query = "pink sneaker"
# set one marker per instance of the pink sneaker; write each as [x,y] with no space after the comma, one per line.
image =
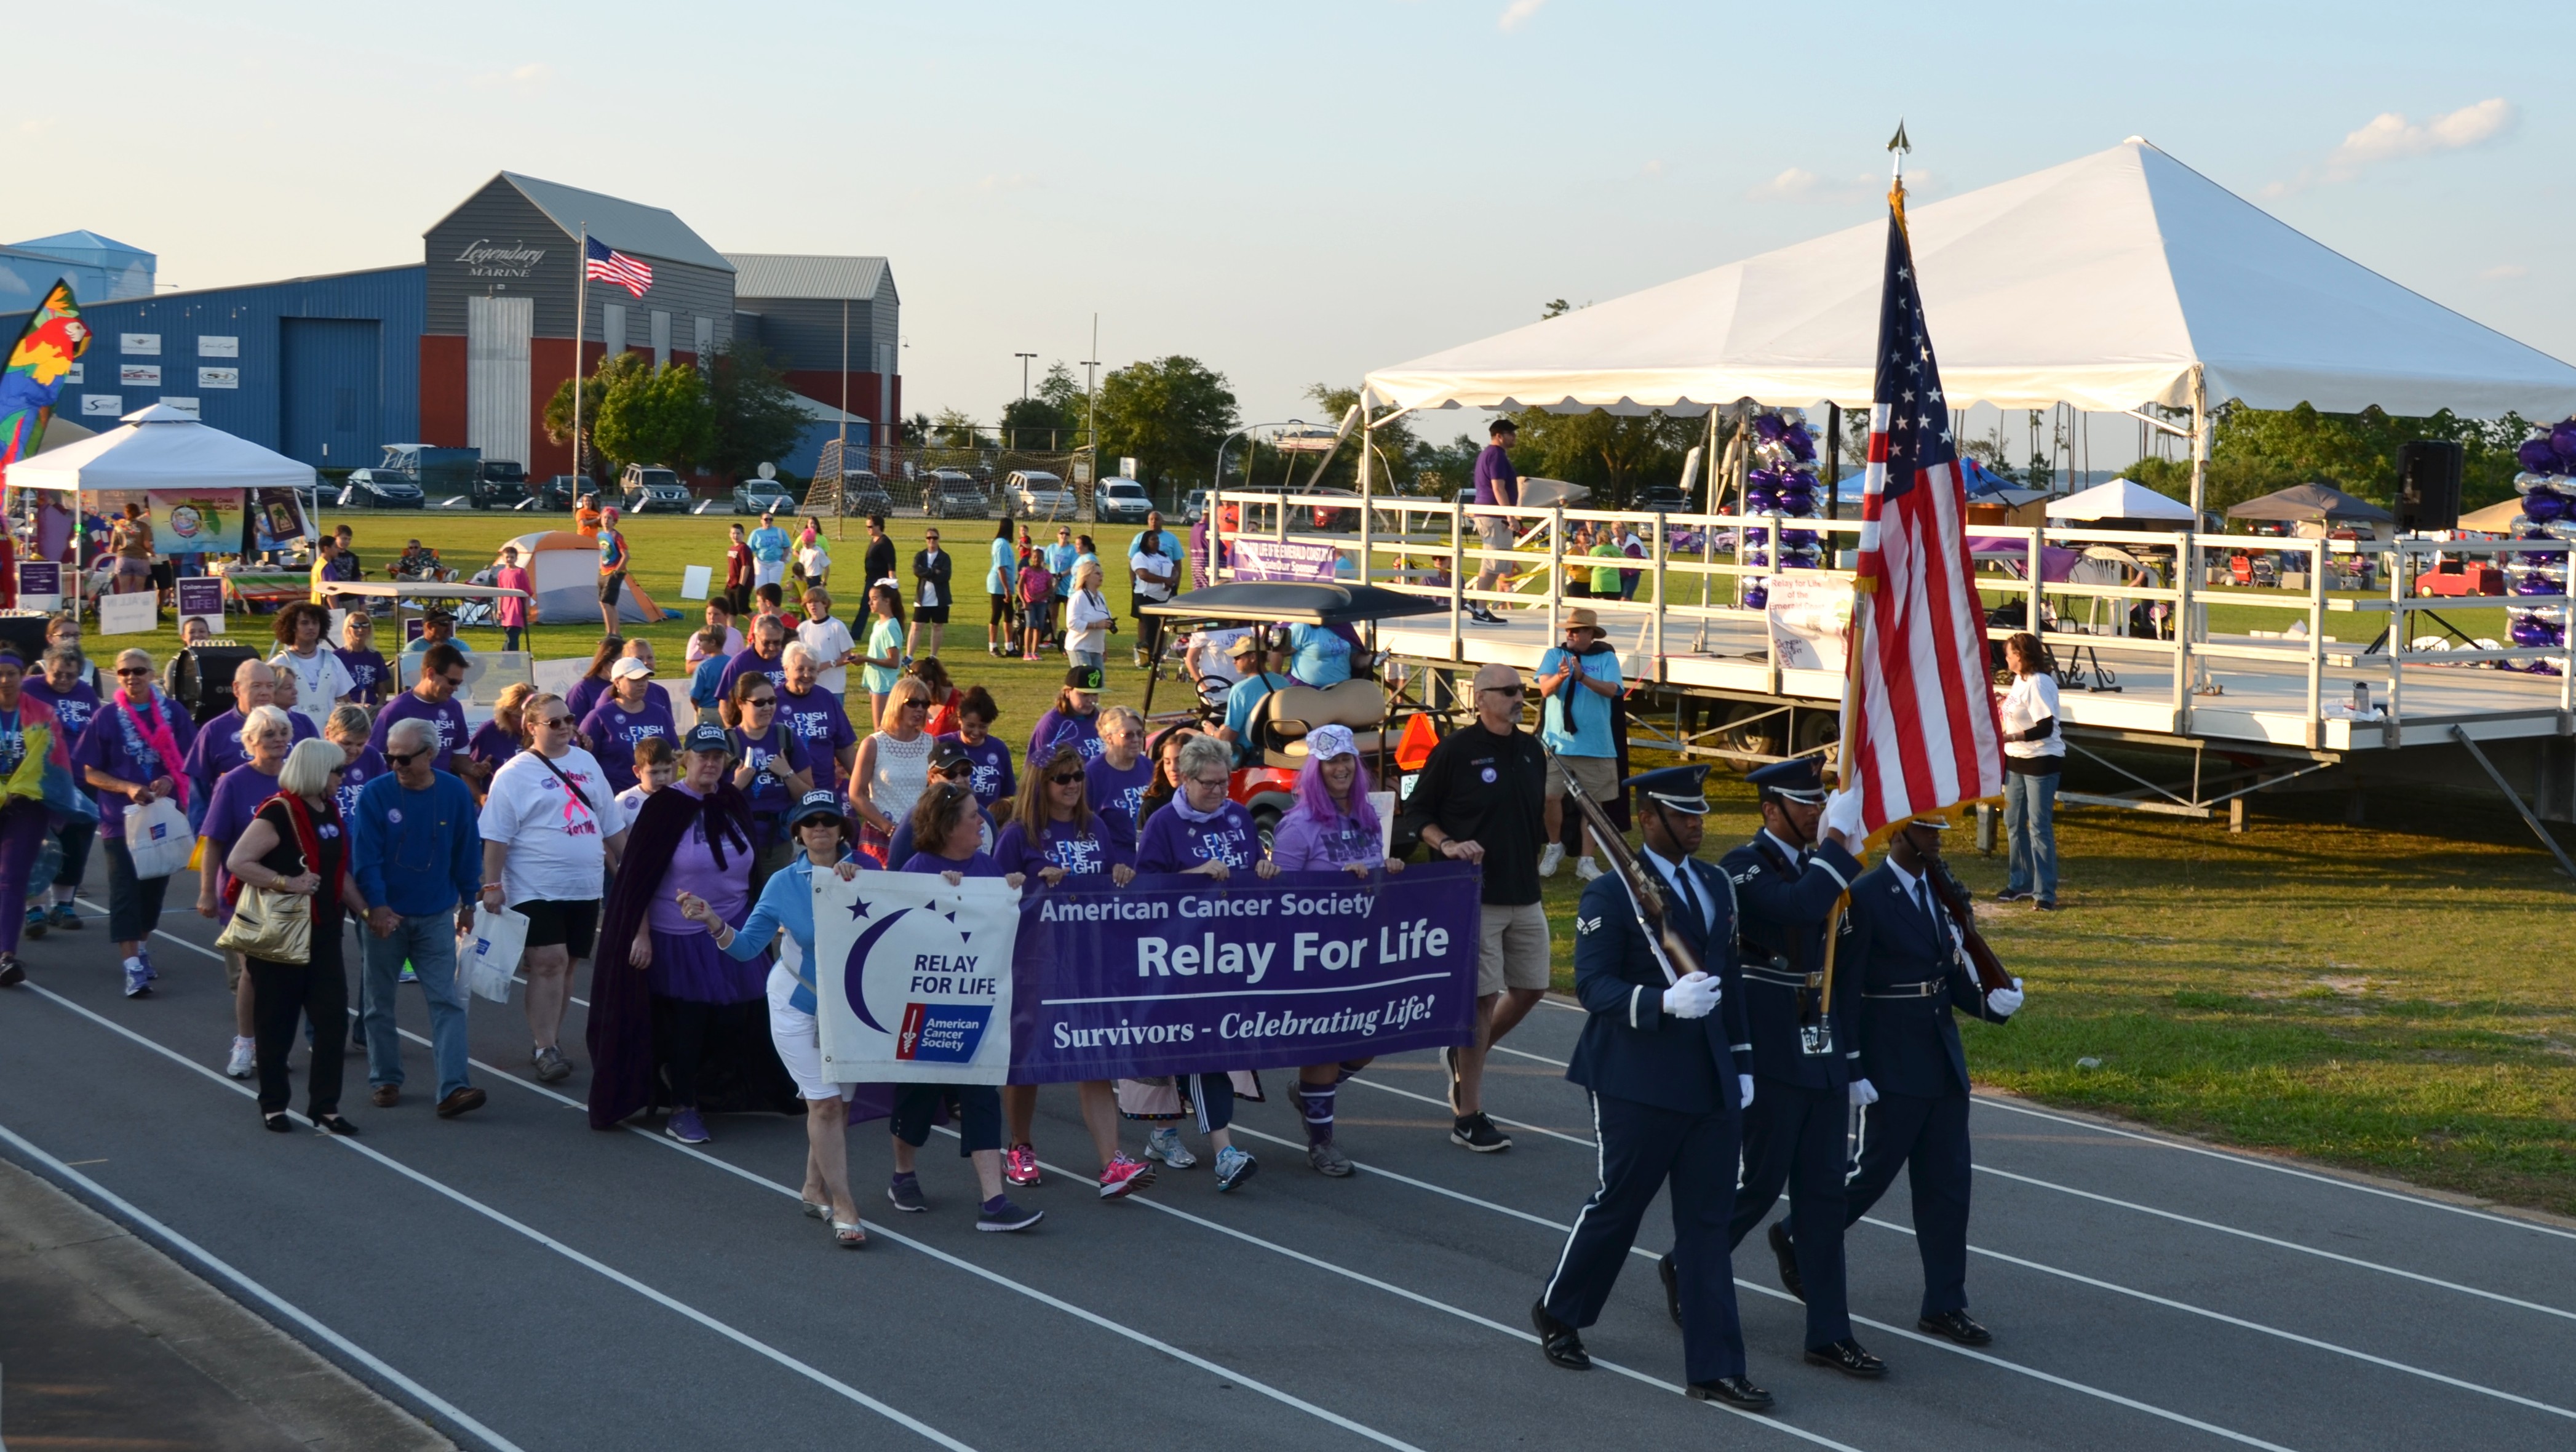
[1123,1175]
[1020,1164]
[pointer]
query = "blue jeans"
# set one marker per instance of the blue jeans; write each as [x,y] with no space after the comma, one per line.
[429,941]
[2030,831]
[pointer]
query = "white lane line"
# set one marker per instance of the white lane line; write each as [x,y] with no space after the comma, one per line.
[1498,1119]
[2238,1321]
[2257,1163]
[2387,1270]
[135,1215]
[682,1308]
[1935,1342]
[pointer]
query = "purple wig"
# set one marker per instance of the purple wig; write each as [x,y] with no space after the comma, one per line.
[1316,800]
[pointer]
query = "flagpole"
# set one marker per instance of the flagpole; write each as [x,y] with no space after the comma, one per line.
[580,321]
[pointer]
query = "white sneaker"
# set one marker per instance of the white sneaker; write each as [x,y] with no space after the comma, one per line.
[1549,859]
[1165,1144]
[242,1061]
[1586,868]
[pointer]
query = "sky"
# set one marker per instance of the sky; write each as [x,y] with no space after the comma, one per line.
[1294,194]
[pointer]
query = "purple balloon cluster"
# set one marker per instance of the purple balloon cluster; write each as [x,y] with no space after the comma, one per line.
[1783,483]
[2548,459]
[2552,451]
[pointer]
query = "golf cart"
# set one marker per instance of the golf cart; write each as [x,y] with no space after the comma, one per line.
[1384,725]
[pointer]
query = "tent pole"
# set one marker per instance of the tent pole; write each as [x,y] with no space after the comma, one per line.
[1833,459]
[2199,445]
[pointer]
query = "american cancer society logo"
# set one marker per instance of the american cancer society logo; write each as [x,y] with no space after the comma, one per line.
[916,970]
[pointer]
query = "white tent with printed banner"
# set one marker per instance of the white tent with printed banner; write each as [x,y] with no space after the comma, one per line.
[160,448]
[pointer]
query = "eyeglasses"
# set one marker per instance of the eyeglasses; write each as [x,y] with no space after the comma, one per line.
[404,758]
[457,681]
[134,670]
[1067,779]
[1213,783]
[560,723]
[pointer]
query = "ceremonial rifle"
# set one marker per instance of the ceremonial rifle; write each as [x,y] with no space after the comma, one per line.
[1671,954]
[1953,896]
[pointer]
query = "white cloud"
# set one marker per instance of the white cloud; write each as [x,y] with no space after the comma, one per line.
[2505,272]
[1795,182]
[1798,184]
[2389,136]
[1518,14]
[526,79]
[1653,168]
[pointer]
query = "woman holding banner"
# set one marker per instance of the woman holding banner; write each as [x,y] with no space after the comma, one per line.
[1333,828]
[1205,834]
[786,906]
[951,832]
[1055,835]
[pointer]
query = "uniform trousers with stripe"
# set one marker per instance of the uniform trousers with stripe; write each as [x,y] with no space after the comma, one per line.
[1929,1137]
[1641,1147]
[1795,1137]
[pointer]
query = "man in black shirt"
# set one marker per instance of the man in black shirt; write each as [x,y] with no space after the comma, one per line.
[1481,799]
[878,563]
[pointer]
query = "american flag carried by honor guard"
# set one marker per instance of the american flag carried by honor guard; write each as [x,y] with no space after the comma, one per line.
[607,265]
[1920,731]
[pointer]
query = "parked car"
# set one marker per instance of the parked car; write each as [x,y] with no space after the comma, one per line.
[380,489]
[1664,498]
[646,489]
[1195,506]
[438,472]
[1037,494]
[1121,499]
[760,496]
[862,493]
[561,491]
[499,484]
[950,495]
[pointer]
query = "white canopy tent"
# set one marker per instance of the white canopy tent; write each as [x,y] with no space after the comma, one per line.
[160,448]
[2110,282]
[2119,499]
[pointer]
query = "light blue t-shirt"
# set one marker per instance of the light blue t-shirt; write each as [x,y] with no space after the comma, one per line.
[1590,733]
[1322,658]
[1247,693]
[1060,558]
[1005,568]
[768,545]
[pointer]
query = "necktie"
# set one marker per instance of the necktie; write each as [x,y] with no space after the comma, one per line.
[1923,899]
[1690,904]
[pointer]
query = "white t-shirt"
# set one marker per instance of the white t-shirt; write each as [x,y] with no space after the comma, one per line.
[2032,698]
[556,843]
[632,800]
[319,679]
[829,639]
[1208,649]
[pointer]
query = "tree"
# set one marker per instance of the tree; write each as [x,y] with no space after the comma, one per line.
[1169,413]
[1611,454]
[2254,451]
[757,417]
[1391,471]
[658,416]
[1050,418]
[953,429]
[594,392]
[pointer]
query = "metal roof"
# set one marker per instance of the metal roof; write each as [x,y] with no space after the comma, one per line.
[777,274]
[624,225]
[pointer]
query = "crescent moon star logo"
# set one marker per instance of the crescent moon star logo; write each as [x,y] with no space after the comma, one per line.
[855,972]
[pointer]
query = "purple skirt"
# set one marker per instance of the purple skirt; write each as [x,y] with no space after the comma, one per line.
[689,966]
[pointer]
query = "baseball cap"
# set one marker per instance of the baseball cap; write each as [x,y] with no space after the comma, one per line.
[1083,678]
[947,756]
[1329,741]
[709,737]
[820,802]
[628,669]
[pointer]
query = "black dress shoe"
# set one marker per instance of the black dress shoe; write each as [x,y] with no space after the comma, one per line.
[1558,1341]
[1672,1287]
[1733,1391]
[1959,1326]
[1846,1357]
[1787,1252]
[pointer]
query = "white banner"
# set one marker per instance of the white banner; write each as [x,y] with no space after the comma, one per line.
[913,977]
[1810,616]
[133,613]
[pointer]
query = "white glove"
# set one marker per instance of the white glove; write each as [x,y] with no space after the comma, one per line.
[2005,1000]
[1863,1092]
[1744,1091]
[1695,996]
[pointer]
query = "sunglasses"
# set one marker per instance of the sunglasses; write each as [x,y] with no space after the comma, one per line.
[404,758]
[760,700]
[1067,779]
[134,670]
[560,722]
[916,705]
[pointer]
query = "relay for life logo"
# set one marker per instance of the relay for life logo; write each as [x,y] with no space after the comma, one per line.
[921,977]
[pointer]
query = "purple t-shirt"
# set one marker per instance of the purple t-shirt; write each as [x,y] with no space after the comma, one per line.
[767,794]
[819,722]
[1497,482]
[1118,795]
[115,745]
[612,731]
[1306,842]
[1173,843]
[355,775]
[236,800]
[727,889]
[1062,728]
[982,864]
[491,745]
[218,747]
[994,778]
[1061,844]
[369,675]
[745,663]
[447,716]
[585,694]
[73,707]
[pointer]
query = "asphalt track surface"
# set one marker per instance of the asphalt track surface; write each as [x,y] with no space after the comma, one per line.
[524,1282]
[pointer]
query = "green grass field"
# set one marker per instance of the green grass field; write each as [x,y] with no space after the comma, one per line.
[2395,998]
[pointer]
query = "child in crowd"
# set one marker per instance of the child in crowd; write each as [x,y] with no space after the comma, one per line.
[706,681]
[370,680]
[656,766]
[1037,598]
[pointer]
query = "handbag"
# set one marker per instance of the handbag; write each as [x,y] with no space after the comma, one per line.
[274,926]
[157,837]
[490,952]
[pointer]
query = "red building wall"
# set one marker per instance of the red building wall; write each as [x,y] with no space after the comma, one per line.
[442,390]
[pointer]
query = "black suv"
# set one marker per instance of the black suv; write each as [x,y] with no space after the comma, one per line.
[499,484]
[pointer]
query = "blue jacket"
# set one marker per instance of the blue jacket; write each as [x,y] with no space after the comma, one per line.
[417,852]
[1909,1043]
[1632,1049]
[703,691]
[787,904]
[1781,941]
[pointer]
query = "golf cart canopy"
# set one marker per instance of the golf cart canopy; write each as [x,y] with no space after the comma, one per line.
[1305,602]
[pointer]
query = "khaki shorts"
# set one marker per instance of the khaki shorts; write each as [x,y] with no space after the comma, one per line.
[1599,776]
[1496,531]
[1511,948]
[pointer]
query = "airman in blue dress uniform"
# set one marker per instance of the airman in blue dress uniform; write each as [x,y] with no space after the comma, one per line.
[1904,951]
[1663,1052]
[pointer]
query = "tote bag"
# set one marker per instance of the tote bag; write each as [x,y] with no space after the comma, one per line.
[489,952]
[157,837]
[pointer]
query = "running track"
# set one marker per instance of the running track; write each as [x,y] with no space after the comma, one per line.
[525,1283]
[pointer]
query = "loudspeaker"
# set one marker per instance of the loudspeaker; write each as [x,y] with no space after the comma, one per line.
[203,678]
[2428,485]
[24,631]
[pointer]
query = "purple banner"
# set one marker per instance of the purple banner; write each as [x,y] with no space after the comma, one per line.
[36,577]
[1270,559]
[1178,975]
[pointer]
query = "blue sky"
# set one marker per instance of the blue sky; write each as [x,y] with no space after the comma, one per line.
[1293,193]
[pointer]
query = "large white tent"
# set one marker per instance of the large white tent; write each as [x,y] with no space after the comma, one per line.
[160,448]
[2118,499]
[2109,282]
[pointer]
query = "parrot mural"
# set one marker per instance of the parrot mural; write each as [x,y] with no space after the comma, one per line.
[54,338]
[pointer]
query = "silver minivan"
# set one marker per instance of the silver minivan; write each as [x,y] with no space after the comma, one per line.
[1037,494]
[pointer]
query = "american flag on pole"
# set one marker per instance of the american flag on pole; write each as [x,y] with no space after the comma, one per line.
[603,265]
[1920,731]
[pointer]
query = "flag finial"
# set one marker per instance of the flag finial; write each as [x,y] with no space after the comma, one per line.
[1898,143]
[1897,146]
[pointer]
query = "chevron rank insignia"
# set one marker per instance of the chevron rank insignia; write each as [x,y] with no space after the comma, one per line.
[1586,925]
